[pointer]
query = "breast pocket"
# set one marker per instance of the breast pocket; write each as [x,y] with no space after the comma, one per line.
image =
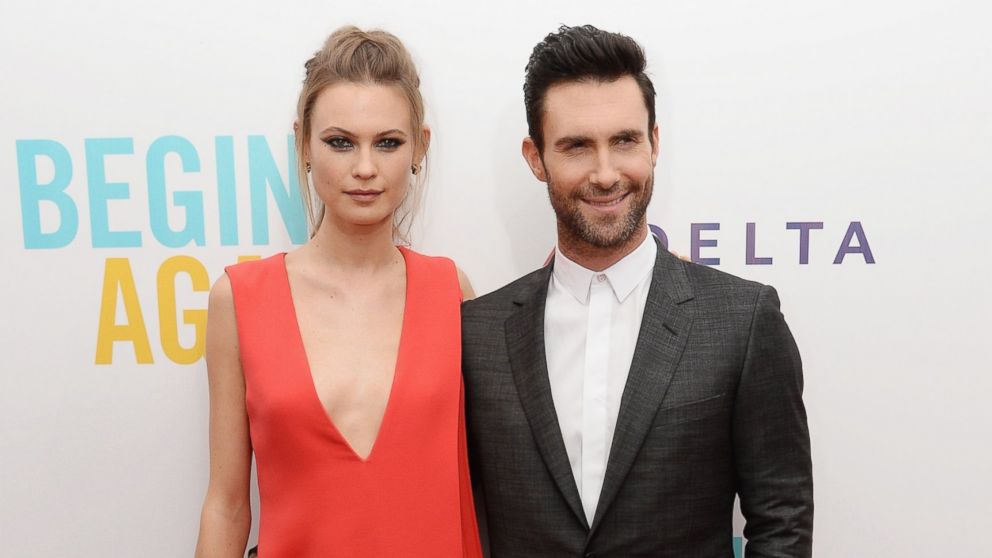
[691,411]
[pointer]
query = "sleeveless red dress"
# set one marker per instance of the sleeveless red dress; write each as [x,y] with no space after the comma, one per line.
[412,495]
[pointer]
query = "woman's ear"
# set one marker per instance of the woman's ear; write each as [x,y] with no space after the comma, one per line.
[425,142]
[301,141]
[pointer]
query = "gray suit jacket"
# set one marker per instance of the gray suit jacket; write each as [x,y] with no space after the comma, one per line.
[712,408]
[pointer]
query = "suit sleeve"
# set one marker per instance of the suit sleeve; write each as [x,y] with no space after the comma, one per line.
[475,474]
[771,439]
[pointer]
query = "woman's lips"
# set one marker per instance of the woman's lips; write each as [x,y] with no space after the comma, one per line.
[363,196]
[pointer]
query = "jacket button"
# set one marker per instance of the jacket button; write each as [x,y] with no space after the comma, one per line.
[590,555]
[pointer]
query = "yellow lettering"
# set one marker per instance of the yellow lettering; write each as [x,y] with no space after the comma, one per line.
[167,309]
[117,276]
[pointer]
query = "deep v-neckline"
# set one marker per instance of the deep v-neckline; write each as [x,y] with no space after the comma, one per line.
[309,380]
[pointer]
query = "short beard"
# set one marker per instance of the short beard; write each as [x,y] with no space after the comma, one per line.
[574,224]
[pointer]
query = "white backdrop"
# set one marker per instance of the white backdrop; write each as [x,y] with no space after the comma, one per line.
[772,112]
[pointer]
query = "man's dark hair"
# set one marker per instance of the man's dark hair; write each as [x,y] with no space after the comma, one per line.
[577,54]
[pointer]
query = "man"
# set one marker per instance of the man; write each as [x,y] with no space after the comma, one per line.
[619,398]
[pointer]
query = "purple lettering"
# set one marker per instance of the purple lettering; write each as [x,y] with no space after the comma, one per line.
[697,242]
[750,258]
[662,237]
[855,229]
[804,227]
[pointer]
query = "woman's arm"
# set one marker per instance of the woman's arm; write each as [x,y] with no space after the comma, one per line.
[467,292]
[226,517]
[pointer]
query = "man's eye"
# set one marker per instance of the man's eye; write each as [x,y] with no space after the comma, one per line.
[389,143]
[338,142]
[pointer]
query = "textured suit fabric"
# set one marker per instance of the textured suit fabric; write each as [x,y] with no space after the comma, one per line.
[712,408]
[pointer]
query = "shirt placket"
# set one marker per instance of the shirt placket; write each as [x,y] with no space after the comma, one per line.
[594,394]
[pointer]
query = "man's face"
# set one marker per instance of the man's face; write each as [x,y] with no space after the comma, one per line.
[598,159]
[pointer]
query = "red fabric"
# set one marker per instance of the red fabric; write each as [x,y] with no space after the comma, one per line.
[412,496]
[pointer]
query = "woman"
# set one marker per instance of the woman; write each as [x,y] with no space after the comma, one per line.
[338,364]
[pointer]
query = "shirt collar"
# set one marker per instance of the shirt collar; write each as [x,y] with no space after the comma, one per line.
[623,276]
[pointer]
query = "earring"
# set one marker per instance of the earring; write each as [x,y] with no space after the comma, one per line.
[414,169]
[308,167]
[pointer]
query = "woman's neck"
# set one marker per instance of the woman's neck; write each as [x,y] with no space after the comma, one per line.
[354,247]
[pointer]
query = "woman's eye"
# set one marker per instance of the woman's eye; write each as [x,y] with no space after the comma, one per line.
[389,143]
[338,142]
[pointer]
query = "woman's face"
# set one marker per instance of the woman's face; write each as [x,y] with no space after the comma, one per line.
[360,150]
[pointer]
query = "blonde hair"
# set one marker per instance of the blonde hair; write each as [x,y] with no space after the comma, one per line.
[373,57]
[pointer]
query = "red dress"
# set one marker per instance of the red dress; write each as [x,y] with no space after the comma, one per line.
[412,496]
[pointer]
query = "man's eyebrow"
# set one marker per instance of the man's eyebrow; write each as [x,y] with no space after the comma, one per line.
[571,140]
[630,133]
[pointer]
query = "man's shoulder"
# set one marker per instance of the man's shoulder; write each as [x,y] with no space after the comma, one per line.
[712,284]
[501,301]
[726,298]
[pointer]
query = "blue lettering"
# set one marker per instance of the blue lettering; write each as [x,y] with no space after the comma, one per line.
[33,193]
[264,175]
[100,192]
[227,194]
[191,202]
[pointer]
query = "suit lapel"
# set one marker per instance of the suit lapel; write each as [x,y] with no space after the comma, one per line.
[660,341]
[525,347]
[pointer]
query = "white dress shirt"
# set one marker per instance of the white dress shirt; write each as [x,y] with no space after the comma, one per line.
[591,323]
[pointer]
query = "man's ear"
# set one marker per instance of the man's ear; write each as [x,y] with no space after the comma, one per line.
[655,145]
[533,157]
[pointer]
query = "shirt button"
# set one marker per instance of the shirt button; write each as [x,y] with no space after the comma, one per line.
[601,277]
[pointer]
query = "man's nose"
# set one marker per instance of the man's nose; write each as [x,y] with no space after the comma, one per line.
[605,174]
